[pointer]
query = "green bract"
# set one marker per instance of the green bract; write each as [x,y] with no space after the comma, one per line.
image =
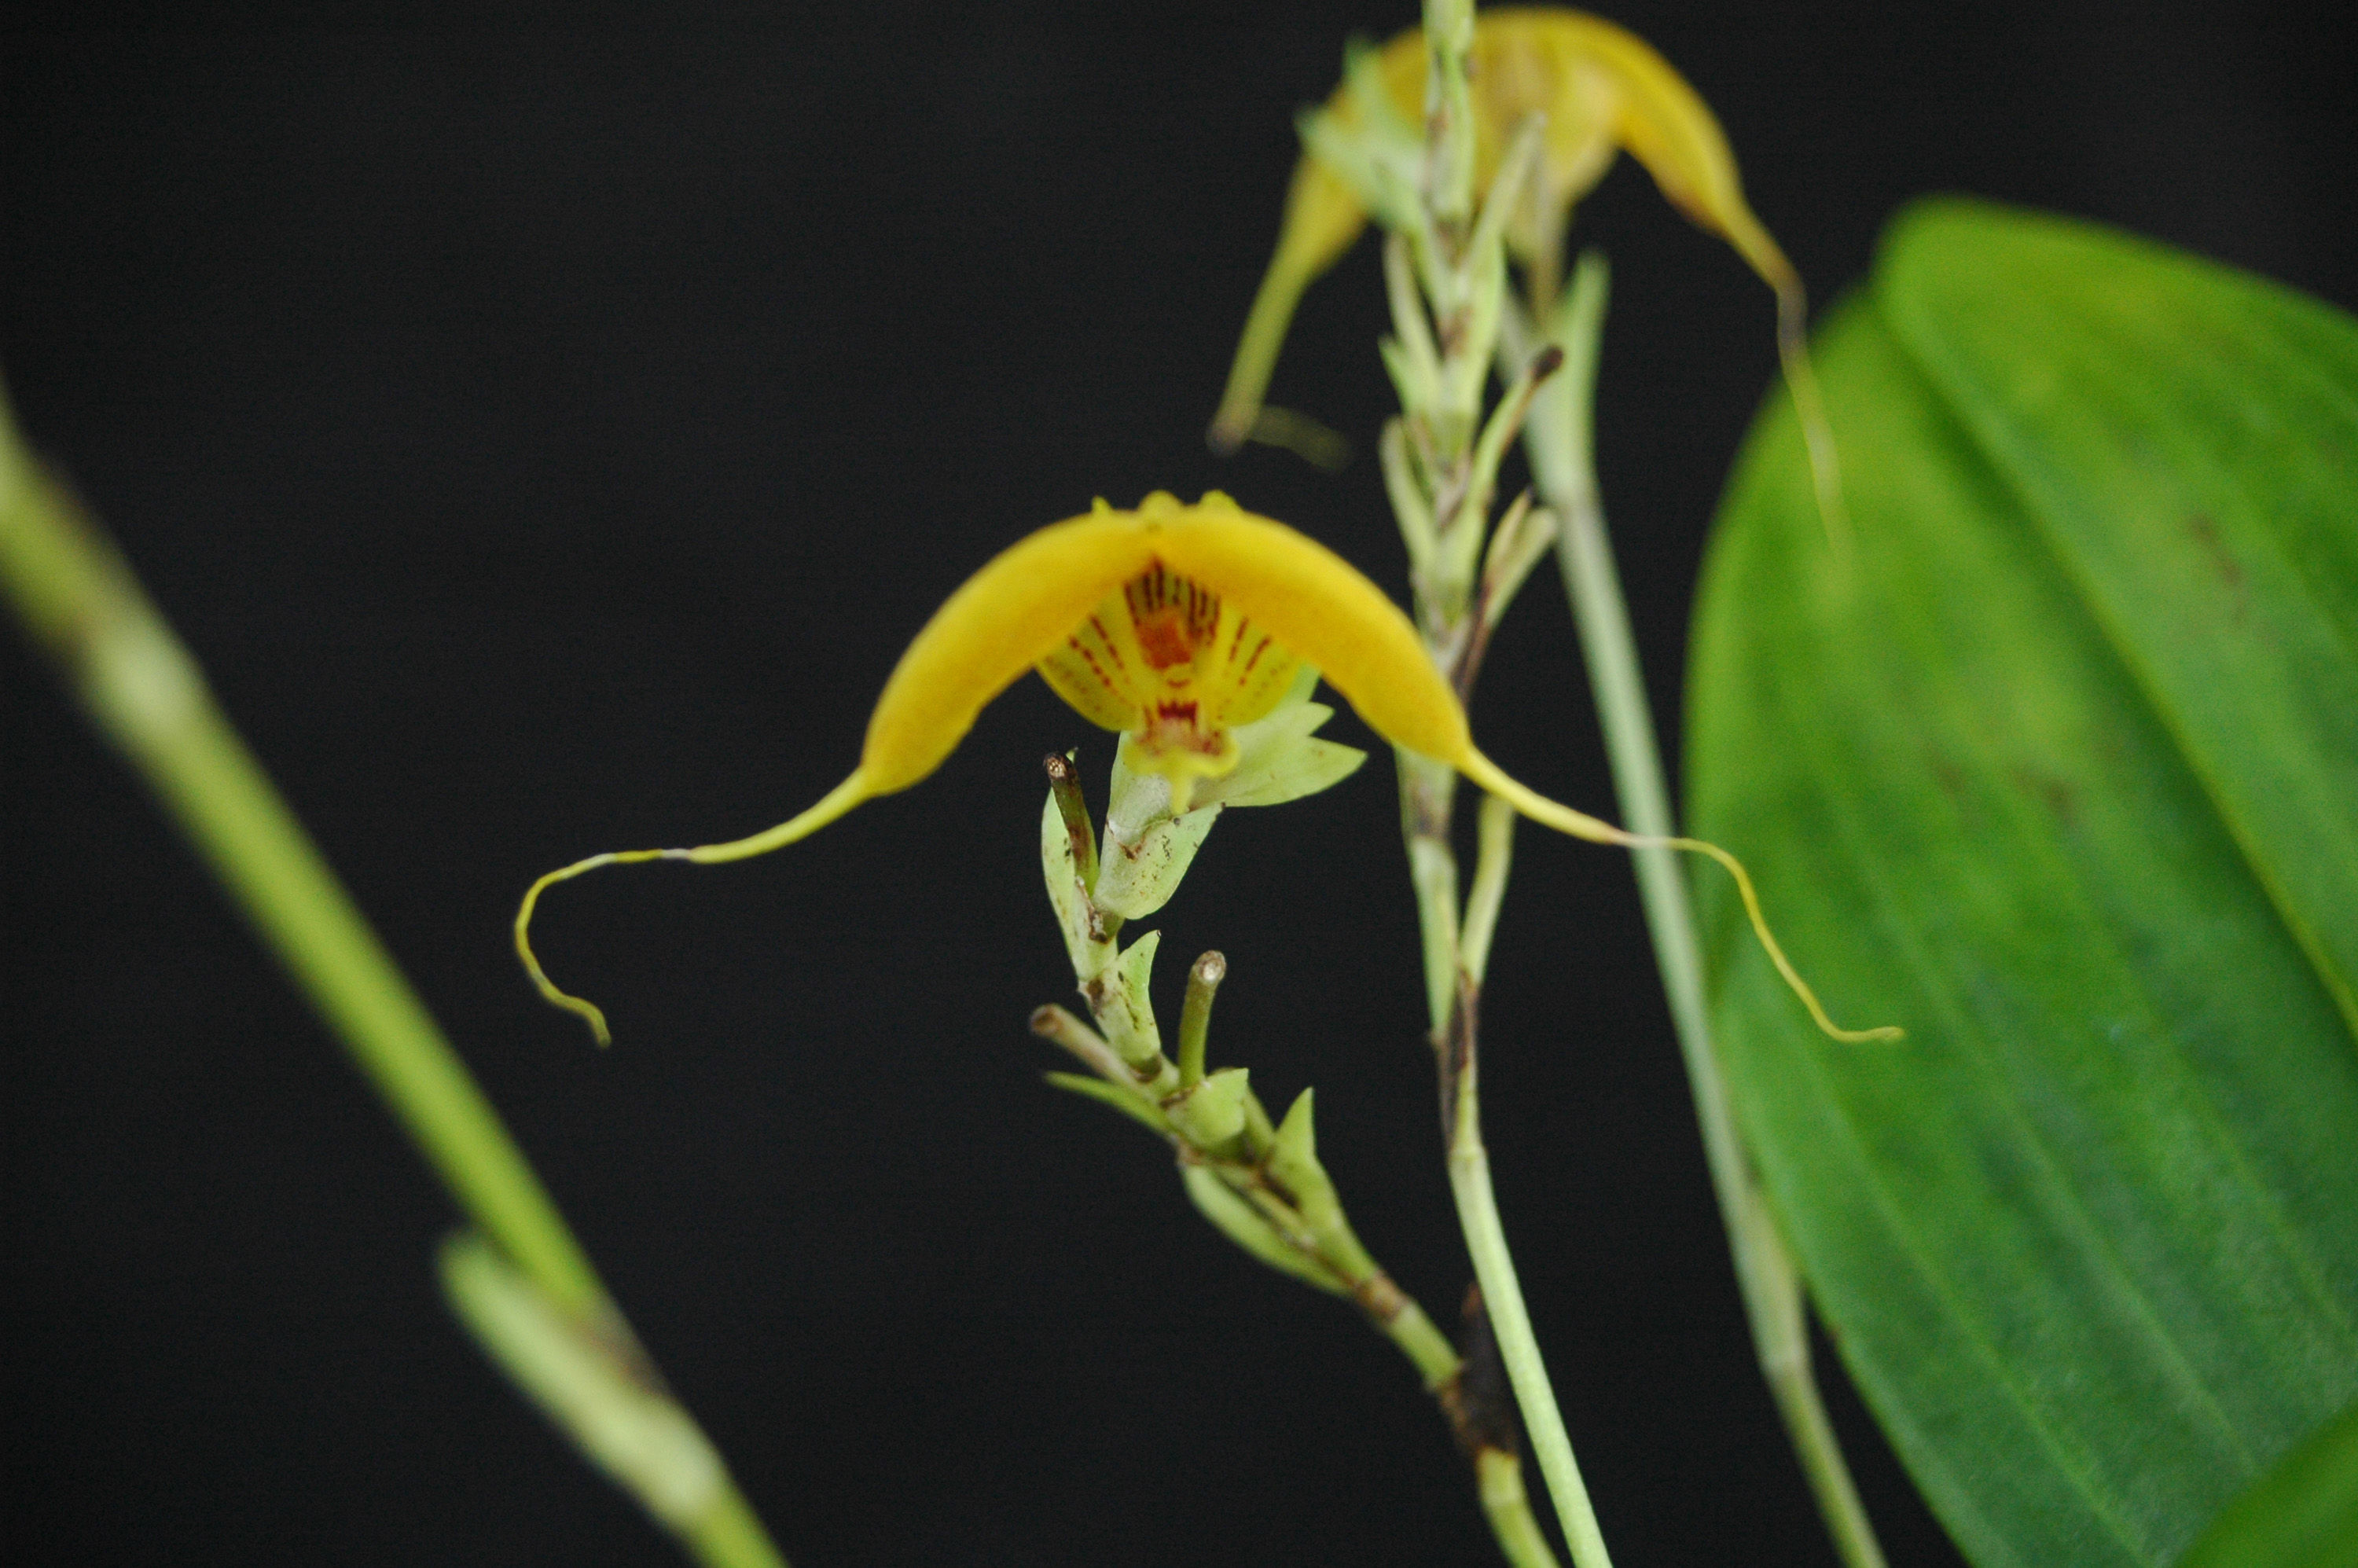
[2058,770]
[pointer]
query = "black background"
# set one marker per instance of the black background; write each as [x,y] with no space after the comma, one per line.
[547,441]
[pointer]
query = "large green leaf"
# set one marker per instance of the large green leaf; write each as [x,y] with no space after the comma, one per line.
[2060,770]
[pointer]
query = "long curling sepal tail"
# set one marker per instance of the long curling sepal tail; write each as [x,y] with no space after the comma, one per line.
[837,801]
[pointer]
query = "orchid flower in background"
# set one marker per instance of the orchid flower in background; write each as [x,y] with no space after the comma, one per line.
[1171,623]
[1600,90]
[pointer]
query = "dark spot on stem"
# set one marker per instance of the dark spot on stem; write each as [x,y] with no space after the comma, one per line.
[1380,1298]
[1480,1406]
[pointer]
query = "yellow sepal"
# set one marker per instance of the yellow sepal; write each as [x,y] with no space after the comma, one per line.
[1024,605]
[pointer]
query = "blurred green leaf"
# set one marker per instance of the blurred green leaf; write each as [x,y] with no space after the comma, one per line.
[2060,770]
[2303,1513]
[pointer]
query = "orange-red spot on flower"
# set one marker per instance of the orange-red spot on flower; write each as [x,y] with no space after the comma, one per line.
[1164,642]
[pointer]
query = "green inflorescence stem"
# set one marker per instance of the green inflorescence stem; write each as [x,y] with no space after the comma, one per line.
[1558,438]
[1518,1347]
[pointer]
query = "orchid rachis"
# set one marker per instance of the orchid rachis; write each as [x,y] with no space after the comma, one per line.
[1173,624]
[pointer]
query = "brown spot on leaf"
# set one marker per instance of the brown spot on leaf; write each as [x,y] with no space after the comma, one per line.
[2229,571]
[1947,775]
[2056,794]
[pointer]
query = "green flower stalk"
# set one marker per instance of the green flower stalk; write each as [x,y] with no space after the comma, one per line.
[523,1284]
[1259,1183]
[1527,107]
[1552,95]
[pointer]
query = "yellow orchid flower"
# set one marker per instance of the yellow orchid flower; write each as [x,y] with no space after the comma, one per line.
[1171,624]
[1602,89]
